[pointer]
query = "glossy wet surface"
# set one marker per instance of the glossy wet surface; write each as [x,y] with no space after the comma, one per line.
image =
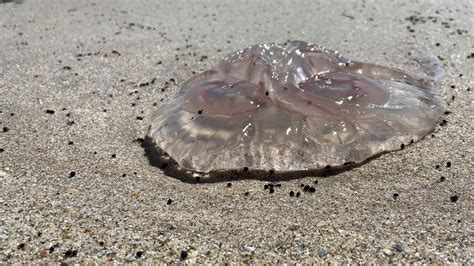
[295,107]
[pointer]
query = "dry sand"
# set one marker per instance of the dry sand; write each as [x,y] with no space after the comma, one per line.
[75,185]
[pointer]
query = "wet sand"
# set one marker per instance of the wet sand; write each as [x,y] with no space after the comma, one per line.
[80,81]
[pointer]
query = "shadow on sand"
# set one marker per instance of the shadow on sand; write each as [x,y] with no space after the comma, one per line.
[11,1]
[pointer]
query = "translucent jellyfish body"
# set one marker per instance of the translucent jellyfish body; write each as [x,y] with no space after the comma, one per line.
[291,108]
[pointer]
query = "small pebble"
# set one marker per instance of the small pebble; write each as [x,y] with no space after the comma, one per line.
[43,254]
[249,248]
[387,251]
[322,253]
[454,198]
[183,255]
[399,247]
[70,253]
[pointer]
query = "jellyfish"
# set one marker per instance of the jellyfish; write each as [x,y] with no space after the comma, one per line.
[295,107]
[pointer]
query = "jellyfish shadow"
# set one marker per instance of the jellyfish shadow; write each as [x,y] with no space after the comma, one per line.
[11,1]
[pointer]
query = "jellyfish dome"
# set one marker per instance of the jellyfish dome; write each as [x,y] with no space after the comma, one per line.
[291,108]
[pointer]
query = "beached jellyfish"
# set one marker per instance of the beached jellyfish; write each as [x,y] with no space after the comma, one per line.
[294,107]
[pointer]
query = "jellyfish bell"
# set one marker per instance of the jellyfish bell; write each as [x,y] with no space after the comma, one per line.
[292,108]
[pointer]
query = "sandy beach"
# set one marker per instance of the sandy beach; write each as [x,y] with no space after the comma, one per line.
[80,81]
